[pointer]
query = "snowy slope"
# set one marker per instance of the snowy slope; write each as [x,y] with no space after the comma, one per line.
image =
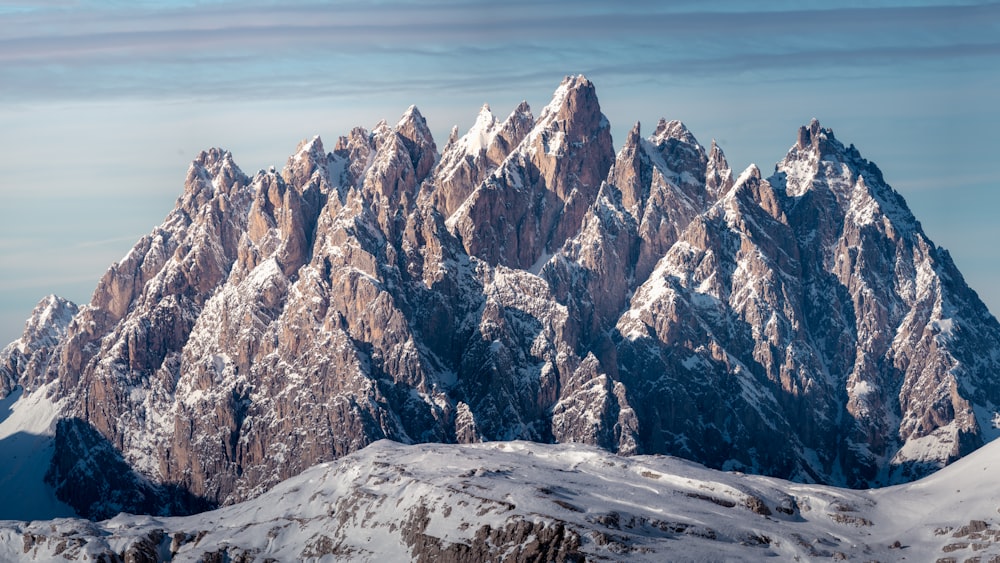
[555,502]
[27,430]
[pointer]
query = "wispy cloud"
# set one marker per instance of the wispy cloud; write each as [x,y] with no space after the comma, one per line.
[148,50]
[95,94]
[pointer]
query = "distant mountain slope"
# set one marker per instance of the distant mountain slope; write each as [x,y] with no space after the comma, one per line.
[524,283]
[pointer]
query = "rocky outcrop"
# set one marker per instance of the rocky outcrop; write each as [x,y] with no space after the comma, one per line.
[656,187]
[536,199]
[467,161]
[25,361]
[528,284]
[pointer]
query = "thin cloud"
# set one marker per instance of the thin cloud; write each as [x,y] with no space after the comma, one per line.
[340,49]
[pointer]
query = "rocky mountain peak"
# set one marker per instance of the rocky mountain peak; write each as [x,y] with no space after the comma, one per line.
[809,135]
[452,139]
[752,172]
[485,117]
[467,161]
[838,178]
[751,189]
[511,132]
[718,174]
[575,104]
[353,151]
[212,171]
[25,361]
[818,160]
[537,197]
[47,322]
[631,173]
[672,129]
[479,138]
[380,133]
[412,127]
[310,159]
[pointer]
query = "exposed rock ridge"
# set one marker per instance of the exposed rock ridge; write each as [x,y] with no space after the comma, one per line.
[537,197]
[25,361]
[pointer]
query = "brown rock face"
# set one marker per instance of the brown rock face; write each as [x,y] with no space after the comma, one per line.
[524,284]
[537,198]
[466,162]
[816,289]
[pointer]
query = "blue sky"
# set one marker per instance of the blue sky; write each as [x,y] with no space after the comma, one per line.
[104,104]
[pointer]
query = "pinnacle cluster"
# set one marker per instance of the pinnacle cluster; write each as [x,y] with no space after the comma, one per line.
[524,283]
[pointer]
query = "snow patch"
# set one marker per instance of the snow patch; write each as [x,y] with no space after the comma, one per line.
[27,440]
[536,268]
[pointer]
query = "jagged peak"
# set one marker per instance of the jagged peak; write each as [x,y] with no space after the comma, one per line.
[574,94]
[520,119]
[672,129]
[485,118]
[47,322]
[412,113]
[214,156]
[310,146]
[634,136]
[381,131]
[817,153]
[479,137]
[357,135]
[679,149]
[412,127]
[309,150]
[717,158]
[809,135]
[751,191]
[452,139]
[309,158]
[521,109]
[568,85]
[745,187]
[392,147]
[213,169]
[51,304]
[718,173]
[751,172]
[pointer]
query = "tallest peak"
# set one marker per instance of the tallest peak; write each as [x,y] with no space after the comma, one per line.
[577,81]
[575,97]
[570,84]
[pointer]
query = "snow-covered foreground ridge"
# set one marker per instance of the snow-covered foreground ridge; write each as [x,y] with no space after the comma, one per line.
[523,501]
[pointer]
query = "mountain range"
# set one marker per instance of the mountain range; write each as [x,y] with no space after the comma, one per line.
[525,282]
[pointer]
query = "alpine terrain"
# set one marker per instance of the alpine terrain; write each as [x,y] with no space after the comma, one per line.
[524,282]
[526,501]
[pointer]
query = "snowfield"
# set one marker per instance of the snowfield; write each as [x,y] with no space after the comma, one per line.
[27,428]
[523,500]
